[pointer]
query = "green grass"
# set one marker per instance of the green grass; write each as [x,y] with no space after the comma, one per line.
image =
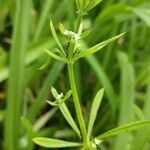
[122,67]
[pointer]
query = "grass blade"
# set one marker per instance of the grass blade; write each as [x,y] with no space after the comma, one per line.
[124,129]
[54,143]
[127,96]
[16,80]
[94,110]
[103,78]
[43,17]
[44,119]
[92,4]
[141,140]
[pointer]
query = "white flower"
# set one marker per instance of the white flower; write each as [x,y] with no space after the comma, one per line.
[59,96]
[97,142]
[72,34]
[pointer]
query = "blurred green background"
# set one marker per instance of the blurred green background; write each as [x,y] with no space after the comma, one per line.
[123,68]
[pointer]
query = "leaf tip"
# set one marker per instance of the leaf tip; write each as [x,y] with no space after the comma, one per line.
[35,140]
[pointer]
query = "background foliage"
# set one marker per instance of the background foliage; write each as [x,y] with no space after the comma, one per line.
[122,67]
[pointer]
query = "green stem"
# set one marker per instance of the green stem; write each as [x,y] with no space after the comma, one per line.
[76,103]
[79,20]
[73,84]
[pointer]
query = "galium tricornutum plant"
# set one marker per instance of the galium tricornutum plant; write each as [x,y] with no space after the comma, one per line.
[69,55]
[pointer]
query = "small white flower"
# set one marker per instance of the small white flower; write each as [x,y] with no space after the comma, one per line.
[59,96]
[76,37]
[72,34]
[66,32]
[97,142]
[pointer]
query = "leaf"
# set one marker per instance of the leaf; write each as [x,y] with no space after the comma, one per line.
[143,12]
[54,143]
[56,37]
[105,80]
[45,62]
[64,110]
[68,94]
[62,28]
[97,47]
[92,4]
[69,118]
[124,129]
[55,56]
[86,33]
[127,97]
[40,122]
[27,125]
[55,103]
[57,51]
[94,110]
[54,92]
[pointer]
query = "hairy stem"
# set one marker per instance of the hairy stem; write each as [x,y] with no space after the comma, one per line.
[76,103]
[79,20]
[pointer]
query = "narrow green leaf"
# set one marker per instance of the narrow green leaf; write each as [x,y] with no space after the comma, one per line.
[124,129]
[126,99]
[141,138]
[68,94]
[54,92]
[44,61]
[54,143]
[104,79]
[69,118]
[27,125]
[62,28]
[55,56]
[44,65]
[92,4]
[52,103]
[86,33]
[16,86]
[40,122]
[56,37]
[94,110]
[44,13]
[97,47]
